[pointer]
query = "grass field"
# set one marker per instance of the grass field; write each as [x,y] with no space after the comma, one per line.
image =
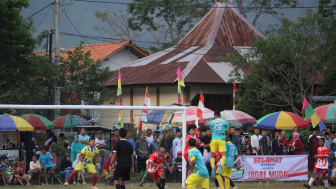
[256,185]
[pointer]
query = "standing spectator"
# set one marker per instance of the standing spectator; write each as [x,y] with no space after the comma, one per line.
[66,168]
[295,144]
[153,146]
[255,142]
[277,144]
[332,136]
[331,161]
[52,138]
[29,145]
[61,136]
[295,129]
[47,165]
[327,143]
[83,138]
[158,134]
[167,143]
[76,147]
[203,134]
[237,140]
[177,143]
[264,143]
[313,146]
[246,144]
[130,140]
[101,145]
[141,150]
[149,136]
[35,168]
[284,142]
[171,135]
[205,149]
[178,165]
[171,168]
[115,139]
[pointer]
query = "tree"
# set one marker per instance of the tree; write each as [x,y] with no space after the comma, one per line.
[287,66]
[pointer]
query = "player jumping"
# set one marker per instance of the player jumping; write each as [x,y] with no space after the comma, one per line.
[321,164]
[218,128]
[198,173]
[155,167]
[86,157]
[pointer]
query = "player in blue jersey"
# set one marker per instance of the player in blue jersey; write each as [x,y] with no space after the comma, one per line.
[198,173]
[219,129]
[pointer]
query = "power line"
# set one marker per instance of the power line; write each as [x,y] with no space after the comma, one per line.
[254,7]
[39,11]
[42,19]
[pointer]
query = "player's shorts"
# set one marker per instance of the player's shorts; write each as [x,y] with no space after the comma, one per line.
[218,144]
[122,172]
[155,174]
[194,180]
[90,167]
[323,171]
[226,171]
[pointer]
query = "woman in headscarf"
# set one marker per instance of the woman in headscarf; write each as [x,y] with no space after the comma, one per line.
[295,144]
[76,147]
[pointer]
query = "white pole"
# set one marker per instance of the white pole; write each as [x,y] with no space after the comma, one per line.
[57,55]
[184,131]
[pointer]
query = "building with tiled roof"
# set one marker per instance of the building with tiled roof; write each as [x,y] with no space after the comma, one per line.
[222,31]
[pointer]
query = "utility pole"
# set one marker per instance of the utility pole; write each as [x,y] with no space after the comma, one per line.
[57,55]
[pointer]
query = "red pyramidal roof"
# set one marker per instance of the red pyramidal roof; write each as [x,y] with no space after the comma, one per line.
[219,33]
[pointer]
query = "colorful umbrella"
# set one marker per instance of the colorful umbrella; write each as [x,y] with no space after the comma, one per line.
[237,118]
[326,113]
[38,122]
[67,121]
[191,116]
[282,120]
[81,121]
[14,123]
[159,117]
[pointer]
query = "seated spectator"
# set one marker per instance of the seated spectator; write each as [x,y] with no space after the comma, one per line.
[295,144]
[332,178]
[35,169]
[66,168]
[154,144]
[178,165]
[47,165]
[81,174]
[171,170]
[19,177]
[23,169]
[331,161]
[6,174]
[11,165]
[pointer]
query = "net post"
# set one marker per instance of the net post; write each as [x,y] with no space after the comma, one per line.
[184,132]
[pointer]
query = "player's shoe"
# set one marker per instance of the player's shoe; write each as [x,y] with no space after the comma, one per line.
[66,183]
[307,186]
[219,168]
[94,187]
[213,172]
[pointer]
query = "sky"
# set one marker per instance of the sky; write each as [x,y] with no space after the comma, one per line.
[78,17]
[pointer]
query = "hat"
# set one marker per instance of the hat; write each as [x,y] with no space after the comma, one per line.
[17,159]
[179,152]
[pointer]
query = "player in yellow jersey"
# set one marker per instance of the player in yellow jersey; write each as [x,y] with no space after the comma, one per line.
[86,157]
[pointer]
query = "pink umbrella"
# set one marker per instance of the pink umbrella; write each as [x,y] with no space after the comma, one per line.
[192,116]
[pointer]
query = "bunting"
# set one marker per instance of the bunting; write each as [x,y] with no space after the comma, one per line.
[179,84]
[310,113]
[119,93]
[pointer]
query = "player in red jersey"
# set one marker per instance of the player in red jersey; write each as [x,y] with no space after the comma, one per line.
[155,167]
[192,133]
[321,164]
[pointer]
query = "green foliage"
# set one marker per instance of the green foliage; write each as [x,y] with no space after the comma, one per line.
[58,148]
[285,67]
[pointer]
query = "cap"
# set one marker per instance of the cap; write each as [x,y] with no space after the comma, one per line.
[17,159]
[179,152]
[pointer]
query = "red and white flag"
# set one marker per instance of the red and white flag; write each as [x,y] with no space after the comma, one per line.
[234,95]
[147,103]
[140,126]
[201,108]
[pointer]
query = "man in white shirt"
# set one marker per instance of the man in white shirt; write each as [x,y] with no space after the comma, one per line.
[177,143]
[101,145]
[149,136]
[255,142]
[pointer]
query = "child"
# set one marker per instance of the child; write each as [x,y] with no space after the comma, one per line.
[19,177]
[108,171]
[81,174]
[47,165]
[35,168]
[6,175]
[23,168]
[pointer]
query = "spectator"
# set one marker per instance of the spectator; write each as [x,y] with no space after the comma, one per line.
[130,140]
[333,175]
[6,175]
[264,143]
[246,144]
[52,138]
[205,149]
[255,142]
[116,138]
[101,145]
[332,136]
[76,147]
[327,143]
[19,177]
[202,134]
[248,152]
[81,174]
[47,165]
[107,172]
[83,138]
[167,143]
[141,150]
[331,161]
[61,136]
[284,142]
[313,146]
[35,169]
[171,135]
[171,168]
[178,165]
[158,134]
[177,143]
[237,140]
[153,146]
[23,168]
[66,168]
[29,145]
[277,144]
[295,129]
[149,136]
[324,131]
[11,165]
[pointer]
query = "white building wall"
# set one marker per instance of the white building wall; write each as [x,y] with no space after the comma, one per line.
[118,59]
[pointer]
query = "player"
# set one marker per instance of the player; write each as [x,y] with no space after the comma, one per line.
[155,167]
[321,164]
[218,128]
[192,133]
[86,157]
[198,173]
